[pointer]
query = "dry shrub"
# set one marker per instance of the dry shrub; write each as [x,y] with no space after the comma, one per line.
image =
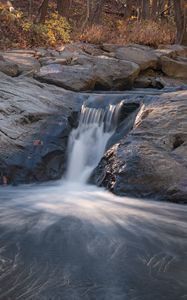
[148,33]
[94,34]
[10,27]
[17,31]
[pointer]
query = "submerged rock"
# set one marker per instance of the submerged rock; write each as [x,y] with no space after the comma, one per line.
[150,161]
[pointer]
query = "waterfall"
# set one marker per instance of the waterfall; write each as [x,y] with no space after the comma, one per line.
[87,142]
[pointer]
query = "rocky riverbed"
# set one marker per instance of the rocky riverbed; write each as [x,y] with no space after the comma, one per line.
[41,93]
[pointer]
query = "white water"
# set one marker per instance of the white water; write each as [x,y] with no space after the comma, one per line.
[88,141]
[69,240]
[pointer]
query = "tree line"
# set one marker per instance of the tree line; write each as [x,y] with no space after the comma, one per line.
[140,9]
[174,11]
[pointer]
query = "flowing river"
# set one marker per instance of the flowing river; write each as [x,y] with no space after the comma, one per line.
[68,240]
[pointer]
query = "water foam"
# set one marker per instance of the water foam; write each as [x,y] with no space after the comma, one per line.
[88,141]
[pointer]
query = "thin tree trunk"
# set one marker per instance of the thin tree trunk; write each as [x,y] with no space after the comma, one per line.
[145,9]
[43,11]
[97,12]
[29,8]
[162,8]
[88,7]
[184,32]
[128,9]
[63,7]
[179,20]
[154,9]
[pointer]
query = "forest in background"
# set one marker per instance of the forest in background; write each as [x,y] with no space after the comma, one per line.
[48,23]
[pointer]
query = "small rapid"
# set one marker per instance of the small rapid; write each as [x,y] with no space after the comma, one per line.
[88,141]
[73,241]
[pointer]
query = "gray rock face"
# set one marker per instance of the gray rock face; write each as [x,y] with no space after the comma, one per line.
[151,161]
[24,59]
[141,55]
[176,49]
[88,73]
[8,68]
[35,121]
[174,68]
[76,78]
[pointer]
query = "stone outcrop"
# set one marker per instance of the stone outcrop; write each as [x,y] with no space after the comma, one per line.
[151,160]
[35,121]
[143,56]
[24,59]
[174,68]
[89,72]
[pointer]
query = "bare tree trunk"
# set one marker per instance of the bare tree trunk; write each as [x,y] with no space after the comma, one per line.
[63,7]
[128,9]
[29,8]
[97,14]
[43,11]
[179,20]
[162,8]
[169,7]
[184,32]
[145,9]
[94,10]
[154,9]
[88,8]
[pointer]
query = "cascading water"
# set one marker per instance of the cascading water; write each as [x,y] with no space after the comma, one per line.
[76,241]
[88,141]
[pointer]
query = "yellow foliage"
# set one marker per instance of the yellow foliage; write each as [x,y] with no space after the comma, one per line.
[17,30]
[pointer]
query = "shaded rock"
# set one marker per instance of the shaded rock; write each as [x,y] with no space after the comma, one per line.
[165,52]
[87,72]
[35,121]
[8,68]
[149,82]
[151,161]
[174,68]
[177,49]
[76,78]
[25,60]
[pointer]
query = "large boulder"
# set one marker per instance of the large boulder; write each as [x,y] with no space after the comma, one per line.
[141,55]
[174,68]
[25,60]
[88,72]
[35,121]
[178,50]
[150,161]
[75,78]
[8,68]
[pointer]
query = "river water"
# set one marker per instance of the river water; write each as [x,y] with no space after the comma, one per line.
[68,240]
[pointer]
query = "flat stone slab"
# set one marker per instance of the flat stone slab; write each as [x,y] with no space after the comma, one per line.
[174,68]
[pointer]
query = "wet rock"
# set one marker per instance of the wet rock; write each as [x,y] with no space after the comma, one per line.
[149,82]
[151,160]
[174,68]
[35,121]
